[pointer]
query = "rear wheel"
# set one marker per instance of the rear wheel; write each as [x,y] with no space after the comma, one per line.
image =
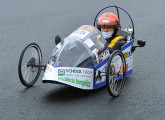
[29,64]
[116,73]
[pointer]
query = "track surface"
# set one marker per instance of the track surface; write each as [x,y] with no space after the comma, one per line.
[22,22]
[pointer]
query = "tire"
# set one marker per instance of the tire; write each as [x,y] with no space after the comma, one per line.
[116,73]
[30,56]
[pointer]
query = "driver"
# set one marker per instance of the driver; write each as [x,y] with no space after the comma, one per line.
[108,24]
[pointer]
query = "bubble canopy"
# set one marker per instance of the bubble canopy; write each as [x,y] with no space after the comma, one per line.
[80,48]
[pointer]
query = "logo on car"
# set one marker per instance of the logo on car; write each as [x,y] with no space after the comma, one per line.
[61,72]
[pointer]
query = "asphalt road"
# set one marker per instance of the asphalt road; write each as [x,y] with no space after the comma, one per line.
[22,22]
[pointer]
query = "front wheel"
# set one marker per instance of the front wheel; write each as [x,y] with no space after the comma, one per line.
[116,73]
[29,64]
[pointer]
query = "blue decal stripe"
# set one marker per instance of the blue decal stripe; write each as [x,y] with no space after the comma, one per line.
[102,63]
[127,45]
[96,86]
[129,72]
[94,80]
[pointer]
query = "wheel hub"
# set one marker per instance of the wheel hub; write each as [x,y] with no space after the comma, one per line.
[31,62]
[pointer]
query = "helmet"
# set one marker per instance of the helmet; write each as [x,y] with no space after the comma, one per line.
[108,19]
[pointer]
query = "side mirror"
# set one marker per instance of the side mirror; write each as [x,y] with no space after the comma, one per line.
[57,39]
[58,42]
[141,43]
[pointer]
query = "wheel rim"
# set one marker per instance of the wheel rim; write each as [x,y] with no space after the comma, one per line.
[31,57]
[116,74]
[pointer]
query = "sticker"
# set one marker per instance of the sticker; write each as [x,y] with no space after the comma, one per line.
[89,42]
[84,27]
[98,36]
[121,68]
[105,54]
[125,55]
[105,21]
[129,38]
[49,69]
[80,34]
[91,28]
[95,51]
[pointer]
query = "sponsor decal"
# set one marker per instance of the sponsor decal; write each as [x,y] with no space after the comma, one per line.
[77,77]
[98,36]
[96,51]
[127,67]
[126,55]
[91,29]
[49,69]
[129,38]
[67,79]
[105,54]
[89,43]
[121,68]
[62,72]
[75,81]
[80,33]
[87,72]
[105,21]
[83,83]
[84,27]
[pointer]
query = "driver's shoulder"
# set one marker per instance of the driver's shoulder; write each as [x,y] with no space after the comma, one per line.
[116,39]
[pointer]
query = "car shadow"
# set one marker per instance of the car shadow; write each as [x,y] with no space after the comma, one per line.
[68,93]
[64,93]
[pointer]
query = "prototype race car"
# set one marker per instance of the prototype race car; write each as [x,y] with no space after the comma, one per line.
[82,60]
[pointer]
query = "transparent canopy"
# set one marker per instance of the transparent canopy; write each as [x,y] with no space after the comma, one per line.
[80,48]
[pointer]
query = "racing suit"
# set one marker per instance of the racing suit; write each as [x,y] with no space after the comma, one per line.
[115,43]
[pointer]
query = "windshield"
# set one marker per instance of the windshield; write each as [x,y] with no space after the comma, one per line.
[73,53]
[80,48]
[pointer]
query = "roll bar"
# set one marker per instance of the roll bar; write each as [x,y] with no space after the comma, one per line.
[117,8]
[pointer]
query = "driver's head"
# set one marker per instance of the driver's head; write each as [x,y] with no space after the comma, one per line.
[108,23]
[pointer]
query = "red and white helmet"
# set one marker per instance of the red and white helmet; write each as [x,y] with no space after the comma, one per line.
[108,19]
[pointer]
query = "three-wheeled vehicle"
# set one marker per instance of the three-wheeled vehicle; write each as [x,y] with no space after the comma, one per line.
[82,60]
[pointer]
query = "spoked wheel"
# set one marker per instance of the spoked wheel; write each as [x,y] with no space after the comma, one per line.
[116,73]
[29,64]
